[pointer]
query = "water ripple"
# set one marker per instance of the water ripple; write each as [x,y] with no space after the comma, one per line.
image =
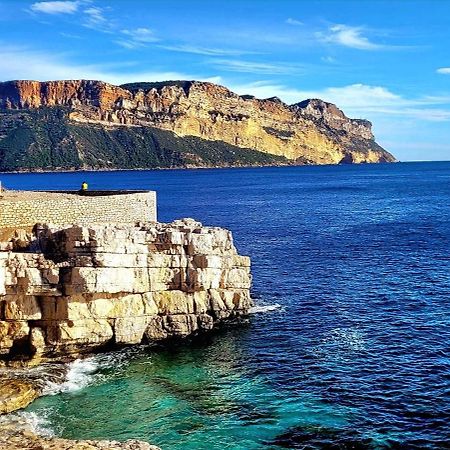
[356,357]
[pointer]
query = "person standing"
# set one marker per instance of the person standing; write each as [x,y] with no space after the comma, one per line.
[84,187]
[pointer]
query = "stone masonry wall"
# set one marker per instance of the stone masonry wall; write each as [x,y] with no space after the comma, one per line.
[25,209]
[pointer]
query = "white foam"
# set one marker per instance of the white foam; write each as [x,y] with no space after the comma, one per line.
[84,372]
[30,421]
[264,308]
[346,339]
[79,375]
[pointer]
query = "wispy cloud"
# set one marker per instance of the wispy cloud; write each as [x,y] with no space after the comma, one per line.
[136,38]
[328,59]
[348,36]
[88,15]
[233,65]
[70,35]
[26,63]
[95,15]
[444,70]
[95,18]
[207,51]
[360,100]
[295,22]
[55,7]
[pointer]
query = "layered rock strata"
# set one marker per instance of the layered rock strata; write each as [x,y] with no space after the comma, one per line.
[308,132]
[80,288]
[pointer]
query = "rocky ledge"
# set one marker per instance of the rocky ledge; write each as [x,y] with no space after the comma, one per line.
[75,289]
[12,438]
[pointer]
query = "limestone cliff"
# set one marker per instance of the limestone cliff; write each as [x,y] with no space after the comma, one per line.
[77,288]
[309,132]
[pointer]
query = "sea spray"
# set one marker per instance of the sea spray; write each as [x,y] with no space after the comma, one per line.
[79,375]
[84,372]
[31,421]
[264,308]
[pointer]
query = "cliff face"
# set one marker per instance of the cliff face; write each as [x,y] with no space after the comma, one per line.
[87,287]
[312,131]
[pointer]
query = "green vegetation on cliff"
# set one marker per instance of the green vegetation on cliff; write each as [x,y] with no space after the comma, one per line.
[46,139]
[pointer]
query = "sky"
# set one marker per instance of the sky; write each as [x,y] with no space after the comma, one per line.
[386,61]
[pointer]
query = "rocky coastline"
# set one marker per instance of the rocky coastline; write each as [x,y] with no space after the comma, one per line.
[69,291]
[172,124]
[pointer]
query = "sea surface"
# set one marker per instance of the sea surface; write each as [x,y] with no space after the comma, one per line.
[348,346]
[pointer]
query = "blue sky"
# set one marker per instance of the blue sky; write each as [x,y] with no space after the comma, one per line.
[387,61]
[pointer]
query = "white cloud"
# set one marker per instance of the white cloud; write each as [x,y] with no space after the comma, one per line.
[348,37]
[256,67]
[55,7]
[91,16]
[137,37]
[359,100]
[128,44]
[141,35]
[444,70]
[328,59]
[208,51]
[94,18]
[22,63]
[70,35]
[95,14]
[296,22]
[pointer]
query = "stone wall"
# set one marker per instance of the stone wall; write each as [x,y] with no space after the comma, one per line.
[22,209]
[119,284]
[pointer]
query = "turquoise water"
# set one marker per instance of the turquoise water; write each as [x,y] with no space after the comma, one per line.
[197,397]
[349,349]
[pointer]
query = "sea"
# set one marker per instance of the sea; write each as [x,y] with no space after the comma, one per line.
[347,347]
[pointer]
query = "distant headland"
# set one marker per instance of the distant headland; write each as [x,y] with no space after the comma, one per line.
[86,124]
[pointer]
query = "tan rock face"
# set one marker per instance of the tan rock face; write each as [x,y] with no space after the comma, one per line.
[12,438]
[311,131]
[119,284]
[15,394]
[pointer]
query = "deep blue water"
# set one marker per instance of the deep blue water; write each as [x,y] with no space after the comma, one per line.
[356,356]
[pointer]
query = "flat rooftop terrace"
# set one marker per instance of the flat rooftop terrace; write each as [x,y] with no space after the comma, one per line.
[10,195]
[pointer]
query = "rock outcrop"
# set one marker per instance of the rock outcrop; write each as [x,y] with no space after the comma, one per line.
[75,289]
[309,132]
[16,394]
[14,438]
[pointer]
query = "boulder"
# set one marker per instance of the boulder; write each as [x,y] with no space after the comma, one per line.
[16,394]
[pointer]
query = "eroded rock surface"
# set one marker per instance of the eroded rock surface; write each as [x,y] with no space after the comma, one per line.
[308,132]
[12,438]
[87,287]
[16,394]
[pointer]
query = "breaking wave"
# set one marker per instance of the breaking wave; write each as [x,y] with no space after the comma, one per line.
[80,374]
[87,371]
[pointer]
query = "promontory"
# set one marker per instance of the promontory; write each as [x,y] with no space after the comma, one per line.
[87,124]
